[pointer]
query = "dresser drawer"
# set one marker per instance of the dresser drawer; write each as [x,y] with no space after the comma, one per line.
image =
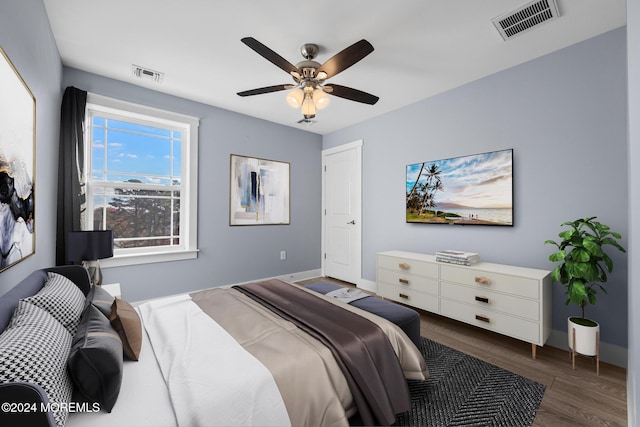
[409,296]
[520,286]
[508,325]
[410,266]
[483,298]
[409,281]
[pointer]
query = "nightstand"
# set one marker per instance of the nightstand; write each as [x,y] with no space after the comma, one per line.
[113,289]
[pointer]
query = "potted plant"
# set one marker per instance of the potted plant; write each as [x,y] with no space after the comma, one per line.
[582,269]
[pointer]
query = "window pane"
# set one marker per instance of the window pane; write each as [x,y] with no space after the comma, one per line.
[97,175]
[177,159]
[99,206]
[144,179]
[97,152]
[143,154]
[135,127]
[142,217]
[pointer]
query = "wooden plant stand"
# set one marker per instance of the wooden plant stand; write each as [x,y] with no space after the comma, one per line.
[573,351]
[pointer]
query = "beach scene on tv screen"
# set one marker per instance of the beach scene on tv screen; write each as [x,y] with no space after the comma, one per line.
[475,189]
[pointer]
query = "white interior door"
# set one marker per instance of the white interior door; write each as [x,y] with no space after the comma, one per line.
[342,220]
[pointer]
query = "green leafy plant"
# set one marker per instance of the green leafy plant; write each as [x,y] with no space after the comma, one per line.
[583,264]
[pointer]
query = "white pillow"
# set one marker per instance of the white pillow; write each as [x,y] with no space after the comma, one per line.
[62,299]
[34,348]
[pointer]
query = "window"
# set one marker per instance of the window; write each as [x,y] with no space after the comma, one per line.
[141,180]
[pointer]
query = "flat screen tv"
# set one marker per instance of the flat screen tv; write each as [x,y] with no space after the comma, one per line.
[469,190]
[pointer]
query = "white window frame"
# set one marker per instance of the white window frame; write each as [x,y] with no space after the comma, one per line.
[188,248]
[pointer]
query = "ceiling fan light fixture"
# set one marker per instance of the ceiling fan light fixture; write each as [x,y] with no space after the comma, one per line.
[295,98]
[320,99]
[310,93]
[308,107]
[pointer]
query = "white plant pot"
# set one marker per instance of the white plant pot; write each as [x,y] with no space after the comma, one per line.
[586,338]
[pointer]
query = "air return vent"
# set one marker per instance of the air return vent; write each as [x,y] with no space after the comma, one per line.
[147,74]
[525,18]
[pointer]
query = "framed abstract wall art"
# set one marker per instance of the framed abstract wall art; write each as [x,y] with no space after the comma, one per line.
[17,166]
[259,193]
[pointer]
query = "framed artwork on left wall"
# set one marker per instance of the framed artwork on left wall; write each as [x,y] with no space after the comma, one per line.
[17,166]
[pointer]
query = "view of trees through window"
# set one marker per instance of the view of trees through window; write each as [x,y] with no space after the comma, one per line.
[135,183]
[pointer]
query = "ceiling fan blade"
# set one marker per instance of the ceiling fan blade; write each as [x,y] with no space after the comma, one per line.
[345,58]
[270,55]
[351,94]
[267,89]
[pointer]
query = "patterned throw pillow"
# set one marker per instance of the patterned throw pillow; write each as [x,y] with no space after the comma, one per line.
[62,299]
[34,349]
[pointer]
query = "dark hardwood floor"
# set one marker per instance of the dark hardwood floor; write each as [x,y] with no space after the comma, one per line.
[573,397]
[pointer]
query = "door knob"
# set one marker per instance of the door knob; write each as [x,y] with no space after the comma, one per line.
[352,222]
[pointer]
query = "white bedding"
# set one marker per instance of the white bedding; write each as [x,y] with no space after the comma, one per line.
[158,393]
[213,381]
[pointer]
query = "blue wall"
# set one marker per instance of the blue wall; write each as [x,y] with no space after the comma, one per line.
[565,116]
[227,254]
[25,36]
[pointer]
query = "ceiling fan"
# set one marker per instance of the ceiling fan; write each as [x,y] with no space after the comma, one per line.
[310,89]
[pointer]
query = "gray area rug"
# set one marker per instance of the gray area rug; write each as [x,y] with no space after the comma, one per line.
[465,391]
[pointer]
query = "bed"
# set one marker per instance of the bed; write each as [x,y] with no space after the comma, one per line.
[216,357]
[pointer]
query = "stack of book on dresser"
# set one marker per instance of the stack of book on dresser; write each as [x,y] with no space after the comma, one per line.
[457,257]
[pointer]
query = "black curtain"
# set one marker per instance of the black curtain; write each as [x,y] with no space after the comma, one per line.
[71,197]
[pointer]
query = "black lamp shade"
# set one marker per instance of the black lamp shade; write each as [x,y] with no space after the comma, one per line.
[89,245]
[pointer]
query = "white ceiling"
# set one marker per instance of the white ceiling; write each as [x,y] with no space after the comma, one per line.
[422,47]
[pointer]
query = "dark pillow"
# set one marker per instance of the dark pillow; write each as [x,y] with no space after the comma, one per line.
[62,299]
[126,321]
[89,297]
[34,349]
[95,361]
[102,299]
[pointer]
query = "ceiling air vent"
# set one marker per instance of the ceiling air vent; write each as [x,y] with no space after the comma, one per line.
[147,74]
[525,18]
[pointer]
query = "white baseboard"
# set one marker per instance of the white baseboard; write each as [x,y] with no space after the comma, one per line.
[291,277]
[302,275]
[609,353]
[368,285]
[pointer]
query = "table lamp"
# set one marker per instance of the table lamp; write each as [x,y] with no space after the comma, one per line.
[88,247]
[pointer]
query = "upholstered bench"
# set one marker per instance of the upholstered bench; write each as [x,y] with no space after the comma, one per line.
[407,319]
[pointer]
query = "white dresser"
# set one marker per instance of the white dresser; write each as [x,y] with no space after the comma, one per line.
[513,301]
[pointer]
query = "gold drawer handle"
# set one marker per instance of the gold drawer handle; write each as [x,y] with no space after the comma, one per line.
[404,265]
[404,281]
[483,318]
[482,299]
[405,296]
[483,280]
